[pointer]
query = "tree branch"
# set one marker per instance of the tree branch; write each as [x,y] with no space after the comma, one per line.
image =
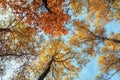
[101,37]
[45,3]
[16,55]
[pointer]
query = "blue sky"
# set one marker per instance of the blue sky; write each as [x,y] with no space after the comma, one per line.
[90,70]
[113,26]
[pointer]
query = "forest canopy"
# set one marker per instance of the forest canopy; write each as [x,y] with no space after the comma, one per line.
[56,39]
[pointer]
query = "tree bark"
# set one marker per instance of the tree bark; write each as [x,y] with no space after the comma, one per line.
[5,29]
[46,5]
[44,74]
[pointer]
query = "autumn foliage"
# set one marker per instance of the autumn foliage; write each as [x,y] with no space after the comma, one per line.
[76,33]
[31,12]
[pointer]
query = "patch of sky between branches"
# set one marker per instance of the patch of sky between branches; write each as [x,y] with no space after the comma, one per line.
[112,26]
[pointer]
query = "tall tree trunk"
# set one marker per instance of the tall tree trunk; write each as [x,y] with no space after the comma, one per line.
[44,74]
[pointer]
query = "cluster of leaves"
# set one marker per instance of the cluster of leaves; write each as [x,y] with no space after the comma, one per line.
[58,57]
[99,12]
[109,62]
[18,40]
[51,21]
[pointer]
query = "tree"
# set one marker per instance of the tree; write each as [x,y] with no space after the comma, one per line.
[90,33]
[57,59]
[51,19]
[16,36]
[21,38]
[109,63]
[17,44]
[21,32]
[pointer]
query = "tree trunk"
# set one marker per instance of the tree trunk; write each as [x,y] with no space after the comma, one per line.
[44,74]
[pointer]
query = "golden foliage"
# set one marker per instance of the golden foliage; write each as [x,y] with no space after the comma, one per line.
[62,55]
[109,62]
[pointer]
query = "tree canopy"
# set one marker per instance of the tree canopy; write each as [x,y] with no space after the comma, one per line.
[55,39]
